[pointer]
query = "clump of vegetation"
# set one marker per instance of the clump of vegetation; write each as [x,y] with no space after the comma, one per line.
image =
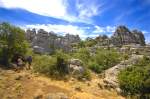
[87,74]
[104,59]
[12,41]
[44,64]
[54,66]
[135,80]
[62,62]
[82,54]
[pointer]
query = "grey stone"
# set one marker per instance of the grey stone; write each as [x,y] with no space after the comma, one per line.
[18,77]
[76,67]
[111,74]
[47,42]
[56,96]
[123,36]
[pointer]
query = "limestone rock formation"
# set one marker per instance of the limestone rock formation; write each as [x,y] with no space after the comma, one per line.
[76,67]
[123,36]
[139,37]
[30,34]
[46,42]
[111,74]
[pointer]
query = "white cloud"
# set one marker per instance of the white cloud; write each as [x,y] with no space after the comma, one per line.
[56,8]
[46,7]
[103,30]
[87,8]
[145,32]
[52,8]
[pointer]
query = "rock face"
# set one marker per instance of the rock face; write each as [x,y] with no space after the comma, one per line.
[123,36]
[139,37]
[110,79]
[76,67]
[47,42]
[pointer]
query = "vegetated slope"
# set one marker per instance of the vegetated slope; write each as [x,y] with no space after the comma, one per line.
[111,74]
[25,85]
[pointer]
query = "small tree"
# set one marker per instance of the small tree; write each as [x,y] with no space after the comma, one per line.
[12,40]
[61,64]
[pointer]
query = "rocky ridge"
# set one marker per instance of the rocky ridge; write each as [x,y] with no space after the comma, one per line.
[47,42]
[123,36]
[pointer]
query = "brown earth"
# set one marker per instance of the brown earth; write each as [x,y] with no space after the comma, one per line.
[26,85]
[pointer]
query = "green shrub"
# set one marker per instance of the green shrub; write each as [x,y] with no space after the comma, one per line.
[103,60]
[12,42]
[135,80]
[82,54]
[62,62]
[44,64]
[95,67]
[55,66]
[86,75]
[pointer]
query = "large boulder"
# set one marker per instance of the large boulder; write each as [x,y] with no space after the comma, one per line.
[111,74]
[76,67]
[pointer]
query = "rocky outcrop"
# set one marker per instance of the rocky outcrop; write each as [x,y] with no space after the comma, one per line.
[76,67]
[123,36]
[111,74]
[46,42]
[139,37]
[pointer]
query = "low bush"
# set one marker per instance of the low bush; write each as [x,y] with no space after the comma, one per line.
[44,64]
[62,62]
[82,54]
[55,66]
[103,60]
[135,80]
[95,67]
[86,75]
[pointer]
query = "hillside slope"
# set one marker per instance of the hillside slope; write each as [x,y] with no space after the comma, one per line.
[26,85]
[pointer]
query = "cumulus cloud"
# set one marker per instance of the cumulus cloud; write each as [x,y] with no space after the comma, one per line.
[107,29]
[145,32]
[52,8]
[87,9]
[56,8]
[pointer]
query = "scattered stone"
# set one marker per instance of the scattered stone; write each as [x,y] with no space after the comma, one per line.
[78,88]
[18,77]
[100,86]
[38,94]
[56,96]
[38,97]
[88,84]
[9,97]
[27,76]
[118,90]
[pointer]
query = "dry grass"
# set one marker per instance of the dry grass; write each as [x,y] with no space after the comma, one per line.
[31,85]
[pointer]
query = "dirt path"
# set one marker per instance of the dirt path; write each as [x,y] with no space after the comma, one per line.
[25,85]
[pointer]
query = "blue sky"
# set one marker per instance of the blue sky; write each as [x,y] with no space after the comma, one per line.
[87,18]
